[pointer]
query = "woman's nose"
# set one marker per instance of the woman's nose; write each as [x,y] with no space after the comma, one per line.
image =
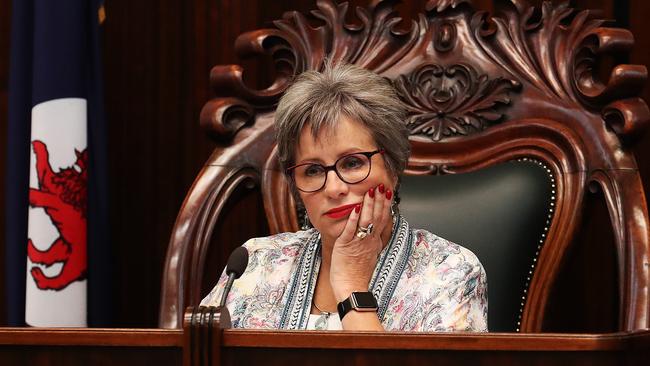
[334,186]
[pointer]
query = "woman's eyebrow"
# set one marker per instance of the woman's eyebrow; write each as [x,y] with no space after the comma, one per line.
[348,151]
[310,160]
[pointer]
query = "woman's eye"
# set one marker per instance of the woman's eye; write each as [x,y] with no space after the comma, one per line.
[313,170]
[352,162]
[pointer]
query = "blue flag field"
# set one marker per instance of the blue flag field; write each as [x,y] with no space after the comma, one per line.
[57,255]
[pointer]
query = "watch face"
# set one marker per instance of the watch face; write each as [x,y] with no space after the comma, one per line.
[365,300]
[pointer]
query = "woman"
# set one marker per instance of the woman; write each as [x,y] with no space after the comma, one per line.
[343,145]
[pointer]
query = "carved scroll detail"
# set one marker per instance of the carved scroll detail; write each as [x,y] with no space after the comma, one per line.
[629,118]
[222,118]
[433,169]
[442,5]
[455,100]
[556,54]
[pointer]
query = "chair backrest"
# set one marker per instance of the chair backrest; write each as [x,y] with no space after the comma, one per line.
[502,213]
[483,92]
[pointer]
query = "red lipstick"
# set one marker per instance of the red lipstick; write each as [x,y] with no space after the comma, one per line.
[341,211]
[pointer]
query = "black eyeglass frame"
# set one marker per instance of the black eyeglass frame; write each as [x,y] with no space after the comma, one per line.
[369,154]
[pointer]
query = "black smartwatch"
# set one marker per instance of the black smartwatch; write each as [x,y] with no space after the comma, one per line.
[359,301]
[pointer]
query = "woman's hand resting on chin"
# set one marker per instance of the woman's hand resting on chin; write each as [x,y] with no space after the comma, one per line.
[353,258]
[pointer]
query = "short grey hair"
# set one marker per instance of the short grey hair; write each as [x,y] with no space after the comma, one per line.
[320,99]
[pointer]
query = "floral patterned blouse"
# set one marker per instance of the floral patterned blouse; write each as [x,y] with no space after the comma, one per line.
[421,282]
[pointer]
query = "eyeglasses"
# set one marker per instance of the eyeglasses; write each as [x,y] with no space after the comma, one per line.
[352,169]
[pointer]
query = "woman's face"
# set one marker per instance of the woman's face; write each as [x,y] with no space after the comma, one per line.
[346,137]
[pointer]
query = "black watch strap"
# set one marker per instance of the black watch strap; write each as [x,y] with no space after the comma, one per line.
[359,301]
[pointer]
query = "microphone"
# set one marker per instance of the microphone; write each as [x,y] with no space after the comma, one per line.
[236,266]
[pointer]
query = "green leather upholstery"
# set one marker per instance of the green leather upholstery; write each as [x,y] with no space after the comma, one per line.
[500,213]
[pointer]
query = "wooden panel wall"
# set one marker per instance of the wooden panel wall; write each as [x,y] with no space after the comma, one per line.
[157,59]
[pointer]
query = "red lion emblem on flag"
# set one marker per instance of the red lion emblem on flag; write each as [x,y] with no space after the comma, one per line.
[63,196]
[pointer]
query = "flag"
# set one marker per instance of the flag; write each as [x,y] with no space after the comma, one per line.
[57,255]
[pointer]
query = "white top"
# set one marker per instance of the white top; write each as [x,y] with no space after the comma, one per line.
[421,282]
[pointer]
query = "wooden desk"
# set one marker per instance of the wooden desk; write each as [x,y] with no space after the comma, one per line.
[86,346]
[30,346]
[338,348]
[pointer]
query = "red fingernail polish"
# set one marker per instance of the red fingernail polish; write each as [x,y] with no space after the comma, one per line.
[357,208]
[381,188]
[371,192]
[389,194]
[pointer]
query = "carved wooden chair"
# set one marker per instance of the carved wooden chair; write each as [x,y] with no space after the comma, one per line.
[510,127]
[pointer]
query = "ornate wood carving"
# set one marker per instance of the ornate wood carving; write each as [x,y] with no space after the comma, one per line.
[460,71]
[556,55]
[454,100]
[430,169]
